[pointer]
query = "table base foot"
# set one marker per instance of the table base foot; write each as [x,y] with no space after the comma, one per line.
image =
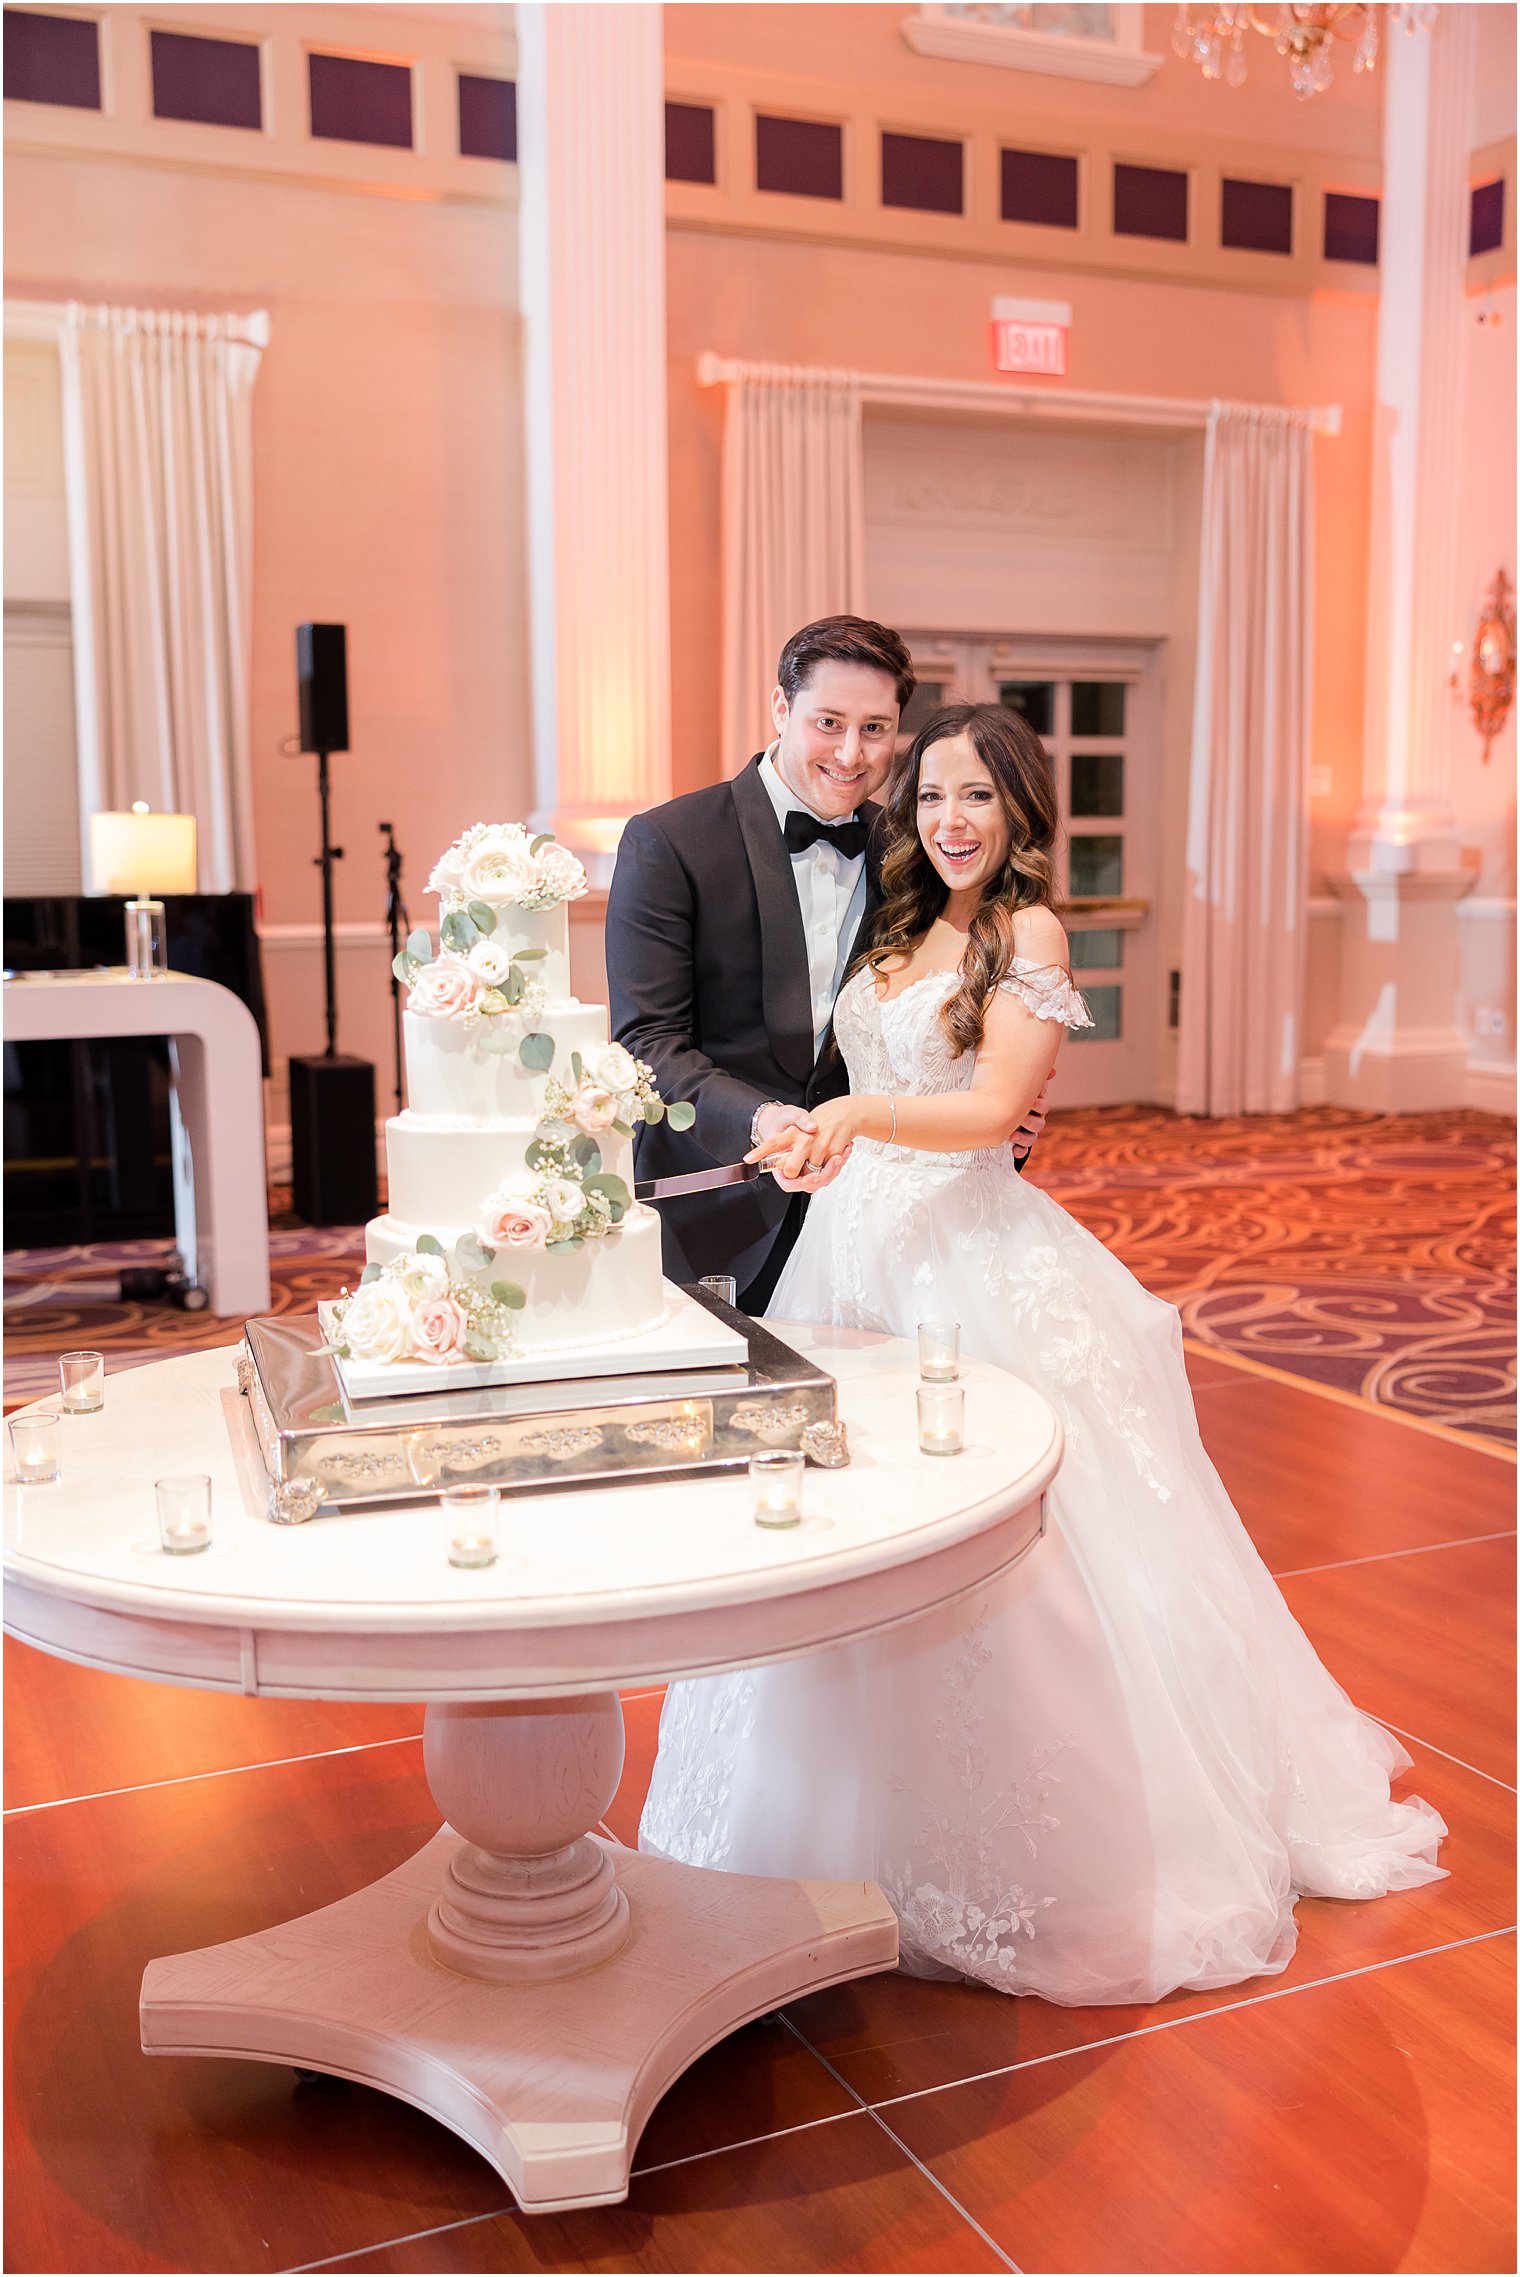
[552,2082]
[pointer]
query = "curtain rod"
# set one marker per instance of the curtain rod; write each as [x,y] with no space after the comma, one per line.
[996,395]
[45,319]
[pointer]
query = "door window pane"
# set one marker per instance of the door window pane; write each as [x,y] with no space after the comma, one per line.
[1097,707]
[1105,1004]
[925,700]
[1097,866]
[1035,700]
[1101,949]
[1097,782]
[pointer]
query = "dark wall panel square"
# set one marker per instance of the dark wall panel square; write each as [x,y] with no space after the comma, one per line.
[353,100]
[690,147]
[1150,201]
[922,172]
[487,117]
[52,59]
[802,156]
[1038,185]
[1351,228]
[214,81]
[1257,217]
[1487,229]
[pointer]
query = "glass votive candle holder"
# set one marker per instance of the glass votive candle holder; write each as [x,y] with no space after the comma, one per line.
[471,1518]
[83,1378]
[939,1351]
[723,1286]
[34,1446]
[941,1418]
[184,1513]
[776,1478]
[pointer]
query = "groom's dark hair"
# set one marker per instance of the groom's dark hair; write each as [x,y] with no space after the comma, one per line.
[845,640]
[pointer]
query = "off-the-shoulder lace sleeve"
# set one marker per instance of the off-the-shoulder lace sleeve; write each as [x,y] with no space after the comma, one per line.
[1047,992]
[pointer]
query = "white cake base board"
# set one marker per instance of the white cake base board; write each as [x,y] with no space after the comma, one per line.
[551,2082]
[688,1336]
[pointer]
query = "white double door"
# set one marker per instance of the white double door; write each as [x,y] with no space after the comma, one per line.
[1095,707]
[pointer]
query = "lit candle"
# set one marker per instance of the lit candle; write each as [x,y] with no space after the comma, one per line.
[83,1378]
[470,1520]
[939,1351]
[776,1477]
[34,1445]
[941,1418]
[184,1513]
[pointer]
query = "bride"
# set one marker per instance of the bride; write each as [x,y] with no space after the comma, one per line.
[1108,1774]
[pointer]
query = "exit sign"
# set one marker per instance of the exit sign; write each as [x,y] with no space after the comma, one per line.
[1031,336]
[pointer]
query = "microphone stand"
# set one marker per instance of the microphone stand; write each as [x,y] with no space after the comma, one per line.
[324,862]
[400,925]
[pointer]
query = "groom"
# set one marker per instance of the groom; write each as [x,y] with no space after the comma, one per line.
[734,915]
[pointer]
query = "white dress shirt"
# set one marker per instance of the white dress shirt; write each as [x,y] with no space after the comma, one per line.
[831,894]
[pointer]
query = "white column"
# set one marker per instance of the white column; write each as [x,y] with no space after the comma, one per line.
[591,164]
[1398,1045]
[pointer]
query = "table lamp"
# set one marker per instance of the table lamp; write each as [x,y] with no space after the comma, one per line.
[143,854]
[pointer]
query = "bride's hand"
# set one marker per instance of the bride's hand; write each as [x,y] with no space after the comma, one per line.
[807,1161]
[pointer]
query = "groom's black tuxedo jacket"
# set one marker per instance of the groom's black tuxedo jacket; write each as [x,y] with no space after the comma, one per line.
[707,973]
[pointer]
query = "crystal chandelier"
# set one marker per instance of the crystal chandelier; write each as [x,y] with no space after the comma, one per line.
[1215,38]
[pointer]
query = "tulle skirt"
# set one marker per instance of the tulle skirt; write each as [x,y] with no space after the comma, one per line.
[1108,1774]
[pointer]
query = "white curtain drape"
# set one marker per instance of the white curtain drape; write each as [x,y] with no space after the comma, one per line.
[1243,933]
[158,451]
[793,531]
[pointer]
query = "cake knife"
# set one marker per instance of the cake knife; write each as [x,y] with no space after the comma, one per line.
[696,1181]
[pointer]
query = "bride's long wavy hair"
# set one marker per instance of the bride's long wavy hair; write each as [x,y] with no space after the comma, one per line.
[913,892]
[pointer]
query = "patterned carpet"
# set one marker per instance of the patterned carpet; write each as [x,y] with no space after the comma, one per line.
[1372,1254]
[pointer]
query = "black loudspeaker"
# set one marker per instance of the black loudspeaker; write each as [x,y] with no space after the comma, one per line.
[332,1140]
[322,679]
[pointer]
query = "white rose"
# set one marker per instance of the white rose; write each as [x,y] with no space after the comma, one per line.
[615,1069]
[378,1322]
[518,1187]
[421,1274]
[499,867]
[560,873]
[448,870]
[489,963]
[563,1199]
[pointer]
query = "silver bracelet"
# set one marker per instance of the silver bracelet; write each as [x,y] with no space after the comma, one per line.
[892,1139]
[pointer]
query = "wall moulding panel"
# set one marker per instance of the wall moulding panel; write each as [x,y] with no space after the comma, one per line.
[436,42]
[858,220]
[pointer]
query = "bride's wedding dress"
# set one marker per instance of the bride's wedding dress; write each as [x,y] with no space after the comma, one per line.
[1108,1774]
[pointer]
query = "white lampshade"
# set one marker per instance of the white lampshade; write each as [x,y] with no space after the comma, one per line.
[142,853]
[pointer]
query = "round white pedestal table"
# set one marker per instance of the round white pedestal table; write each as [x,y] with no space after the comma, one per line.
[527,1981]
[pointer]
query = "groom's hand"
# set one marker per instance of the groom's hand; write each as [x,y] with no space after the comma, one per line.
[770,1122]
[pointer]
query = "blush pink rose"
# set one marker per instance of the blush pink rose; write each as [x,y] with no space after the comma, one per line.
[438,1329]
[513,1225]
[592,1109]
[445,988]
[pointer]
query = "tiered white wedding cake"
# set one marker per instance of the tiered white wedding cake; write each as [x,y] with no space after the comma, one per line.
[512,1236]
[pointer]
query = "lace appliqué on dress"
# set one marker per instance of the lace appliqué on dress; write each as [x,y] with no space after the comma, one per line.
[962,1846]
[701,1731]
[1047,991]
[1077,1351]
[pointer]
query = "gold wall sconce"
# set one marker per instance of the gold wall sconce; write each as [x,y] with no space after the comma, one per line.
[1491,677]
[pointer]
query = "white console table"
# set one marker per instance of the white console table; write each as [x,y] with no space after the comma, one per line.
[216,1106]
[531,1984]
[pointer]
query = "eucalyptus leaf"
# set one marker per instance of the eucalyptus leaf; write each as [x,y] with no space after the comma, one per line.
[429,1245]
[585,1153]
[681,1114]
[544,838]
[554,1248]
[371,1273]
[404,965]
[528,956]
[512,986]
[420,946]
[482,916]
[614,1188]
[509,1294]
[537,1051]
[555,1133]
[476,1347]
[618,1213]
[624,1130]
[577,1067]
[459,932]
[654,1112]
[471,1254]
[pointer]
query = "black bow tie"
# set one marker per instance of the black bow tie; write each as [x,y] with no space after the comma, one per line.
[801,831]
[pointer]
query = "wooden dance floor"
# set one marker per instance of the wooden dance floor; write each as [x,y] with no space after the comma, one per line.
[1353,2114]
